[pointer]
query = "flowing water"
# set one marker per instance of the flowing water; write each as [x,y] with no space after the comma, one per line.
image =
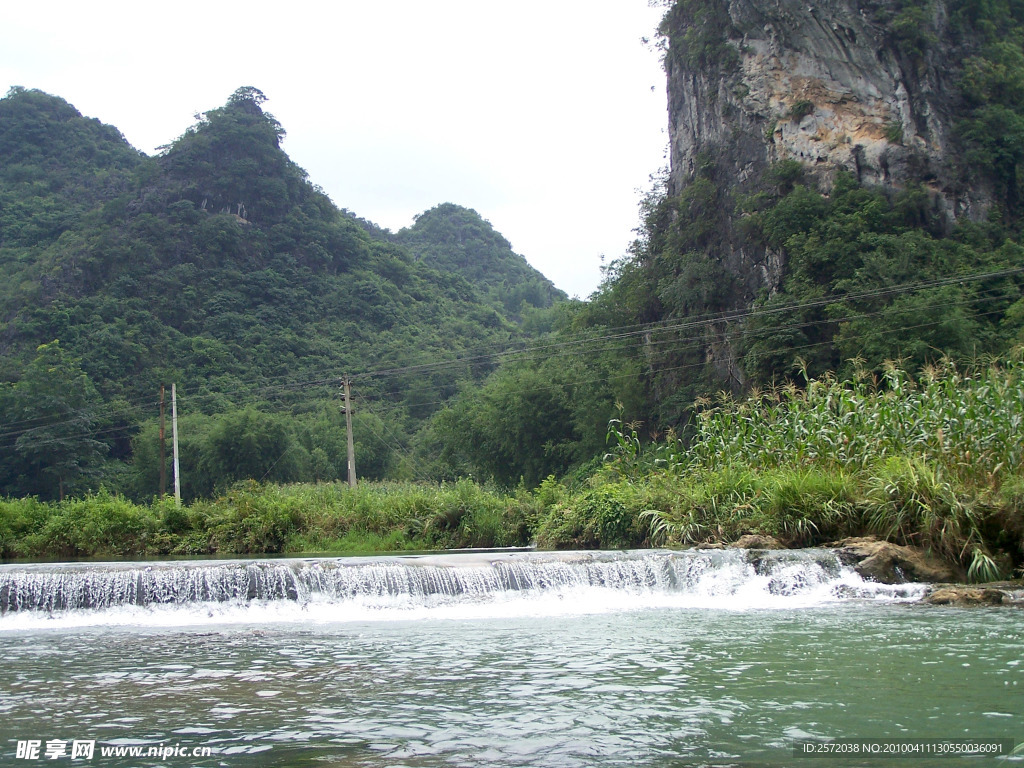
[650,658]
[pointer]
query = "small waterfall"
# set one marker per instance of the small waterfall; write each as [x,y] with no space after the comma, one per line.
[357,586]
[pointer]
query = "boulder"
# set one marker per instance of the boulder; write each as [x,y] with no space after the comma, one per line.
[756,541]
[965,596]
[889,563]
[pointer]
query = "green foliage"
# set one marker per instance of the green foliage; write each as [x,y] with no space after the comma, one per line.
[49,422]
[917,462]
[865,281]
[458,240]
[910,29]
[57,167]
[995,138]
[784,175]
[18,519]
[933,461]
[605,518]
[992,84]
[800,110]
[533,418]
[248,444]
[893,132]
[99,525]
[258,518]
[698,33]
[677,272]
[801,507]
[217,265]
[965,422]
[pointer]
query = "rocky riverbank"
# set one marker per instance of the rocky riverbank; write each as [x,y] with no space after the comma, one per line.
[888,563]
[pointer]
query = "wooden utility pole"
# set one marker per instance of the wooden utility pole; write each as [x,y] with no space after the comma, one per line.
[174,432]
[347,409]
[163,452]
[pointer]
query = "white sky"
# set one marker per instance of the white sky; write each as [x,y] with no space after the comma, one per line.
[546,116]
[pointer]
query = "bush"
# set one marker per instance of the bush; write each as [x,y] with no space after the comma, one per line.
[99,525]
[605,517]
[20,518]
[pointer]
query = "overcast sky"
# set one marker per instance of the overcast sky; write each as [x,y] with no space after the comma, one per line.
[546,116]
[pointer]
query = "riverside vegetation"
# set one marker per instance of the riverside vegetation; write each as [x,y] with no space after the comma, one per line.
[934,461]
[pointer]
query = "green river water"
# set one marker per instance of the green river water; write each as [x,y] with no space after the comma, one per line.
[730,672]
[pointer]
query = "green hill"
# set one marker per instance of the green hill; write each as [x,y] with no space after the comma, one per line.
[454,239]
[219,266]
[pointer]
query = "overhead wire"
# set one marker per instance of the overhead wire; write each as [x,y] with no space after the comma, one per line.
[526,353]
[403,451]
[691,365]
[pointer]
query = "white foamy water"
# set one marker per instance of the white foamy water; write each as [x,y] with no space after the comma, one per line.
[404,588]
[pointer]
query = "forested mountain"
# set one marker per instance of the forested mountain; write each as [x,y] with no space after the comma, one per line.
[219,266]
[451,238]
[845,190]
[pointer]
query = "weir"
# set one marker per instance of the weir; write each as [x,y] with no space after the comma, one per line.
[726,578]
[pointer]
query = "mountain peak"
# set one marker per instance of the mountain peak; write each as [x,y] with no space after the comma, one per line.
[453,238]
[231,160]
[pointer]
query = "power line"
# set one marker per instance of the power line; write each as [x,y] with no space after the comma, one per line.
[631,333]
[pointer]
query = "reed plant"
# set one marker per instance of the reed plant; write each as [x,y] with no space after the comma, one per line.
[917,461]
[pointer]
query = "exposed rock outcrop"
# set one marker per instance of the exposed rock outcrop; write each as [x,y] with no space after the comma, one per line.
[965,596]
[827,84]
[1002,593]
[756,541]
[889,563]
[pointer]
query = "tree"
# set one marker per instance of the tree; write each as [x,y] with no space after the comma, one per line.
[48,430]
[251,445]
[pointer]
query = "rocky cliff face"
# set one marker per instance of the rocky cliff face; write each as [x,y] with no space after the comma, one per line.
[829,84]
[869,87]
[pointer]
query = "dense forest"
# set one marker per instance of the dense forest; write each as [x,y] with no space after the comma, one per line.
[218,266]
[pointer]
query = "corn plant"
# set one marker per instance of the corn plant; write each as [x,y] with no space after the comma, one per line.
[917,461]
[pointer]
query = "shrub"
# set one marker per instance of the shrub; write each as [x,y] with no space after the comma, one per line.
[99,525]
[20,518]
[800,110]
[605,517]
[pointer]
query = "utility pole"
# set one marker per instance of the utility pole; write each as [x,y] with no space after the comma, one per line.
[174,432]
[163,452]
[347,410]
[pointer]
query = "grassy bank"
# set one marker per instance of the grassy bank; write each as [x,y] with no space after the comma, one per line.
[936,462]
[256,519]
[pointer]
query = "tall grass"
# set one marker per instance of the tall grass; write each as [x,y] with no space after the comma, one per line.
[969,424]
[255,518]
[935,462]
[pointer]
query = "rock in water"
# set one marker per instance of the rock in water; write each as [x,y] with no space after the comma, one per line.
[965,596]
[889,563]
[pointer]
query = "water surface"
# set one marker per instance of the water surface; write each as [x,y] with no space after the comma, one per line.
[730,665]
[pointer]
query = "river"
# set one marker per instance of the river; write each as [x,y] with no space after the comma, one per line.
[649,658]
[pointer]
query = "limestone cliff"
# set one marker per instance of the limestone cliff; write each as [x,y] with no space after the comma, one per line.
[873,88]
[829,84]
[832,85]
